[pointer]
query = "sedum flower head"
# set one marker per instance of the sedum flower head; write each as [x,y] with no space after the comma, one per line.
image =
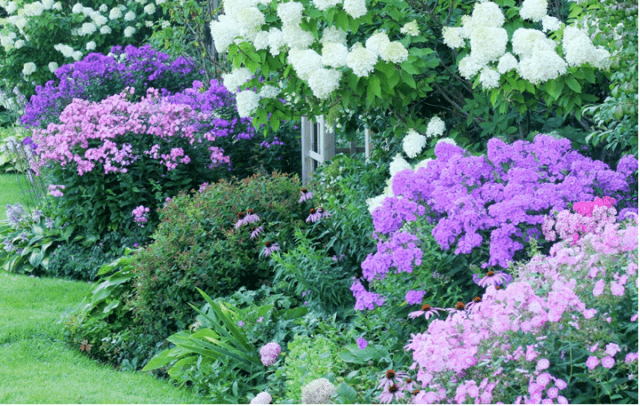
[534,10]
[318,391]
[361,60]
[413,143]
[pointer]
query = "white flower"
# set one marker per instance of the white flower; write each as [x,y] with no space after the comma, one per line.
[435,127]
[413,143]
[578,48]
[247,102]
[105,29]
[6,41]
[115,13]
[447,140]
[150,8]
[469,67]
[318,391]
[361,60]
[533,10]
[87,29]
[165,24]
[355,8]
[158,2]
[411,29]
[334,54]
[148,24]
[249,20]
[53,67]
[238,77]
[91,45]
[422,164]
[296,37]
[550,24]
[487,14]
[290,13]
[87,11]
[33,9]
[489,78]
[28,68]
[324,81]
[18,44]
[65,50]
[99,19]
[488,44]
[543,64]
[374,202]
[129,31]
[262,398]
[333,34]
[224,32]
[261,40]
[130,16]
[377,42]
[323,5]
[398,164]
[11,7]
[47,4]
[77,8]
[394,52]
[269,92]
[507,62]
[103,8]
[276,41]
[57,6]
[77,55]
[304,62]
[524,38]
[20,23]
[453,37]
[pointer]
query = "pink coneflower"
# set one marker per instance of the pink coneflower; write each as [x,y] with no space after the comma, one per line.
[408,385]
[241,215]
[306,195]
[427,310]
[390,394]
[390,377]
[255,231]
[246,218]
[493,278]
[270,247]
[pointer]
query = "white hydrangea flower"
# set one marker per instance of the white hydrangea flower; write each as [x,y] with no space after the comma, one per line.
[33,9]
[550,24]
[334,54]
[53,67]
[577,46]
[333,34]
[29,68]
[238,77]
[18,44]
[158,2]
[247,102]
[77,55]
[224,31]
[276,40]
[150,8]
[65,50]
[323,5]
[77,8]
[103,8]
[453,37]
[422,164]
[11,7]
[413,143]
[543,64]
[130,16]
[377,42]
[129,31]
[487,14]
[534,10]
[269,92]
[20,23]
[6,41]
[374,202]
[489,78]
[47,4]
[318,391]
[296,37]
[355,8]
[436,127]
[361,60]
[411,29]
[165,24]
[148,24]
[469,67]
[290,13]
[87,11]
[115,13]
[507,62]
[488,44]
[249,20]
[99,19]
[261,40]
[105,29]
[600,58]
[324,81]
[87,29]
[398,164]
[57,6]
[447,140]
[304,62]
[91,45]
[524,38]
[394,52]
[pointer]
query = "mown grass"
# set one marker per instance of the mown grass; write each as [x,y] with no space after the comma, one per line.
[37,367]
[10,193]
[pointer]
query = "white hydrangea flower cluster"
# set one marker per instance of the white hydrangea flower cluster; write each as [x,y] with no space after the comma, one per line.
[334,34]
[361,60]
[29,68]
[247,102]
[129,31]
[411,29]
[578,49]
[150,8]
[65,50]
[413,143]
[91,45]
[238,77]
[334,54]
[53,67]
[398,164]
[534,10]
[355,8]
[115,13]
[436,127]
[324,5]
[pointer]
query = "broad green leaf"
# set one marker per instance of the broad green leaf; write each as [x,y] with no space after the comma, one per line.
[573,84]
[159,361]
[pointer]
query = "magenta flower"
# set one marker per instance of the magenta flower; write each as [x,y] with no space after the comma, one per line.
[362,343]
[246,218]
[390,377]
[241,323]
[391,393]
[531,353]
[608,362]
[314,216]
[270,247]
[592,362]
[493,278]
[426,310]
[617,289]
[552,392]
[593,347]
[561,384]
[139,214]
[598,288]
[306,195]
[269,353]
[632,356]
[612,349]
[542,364]
[255,231]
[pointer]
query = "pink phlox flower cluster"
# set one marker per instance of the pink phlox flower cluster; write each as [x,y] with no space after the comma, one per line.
[218,157]
[401,252]
[140,215]
[54,190]
[269,353]
[172,159]
[364,299]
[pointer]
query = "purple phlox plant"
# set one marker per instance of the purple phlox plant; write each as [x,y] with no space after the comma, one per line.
[414,296]
[269,353]
[270,247]
[362,343]
[305,195]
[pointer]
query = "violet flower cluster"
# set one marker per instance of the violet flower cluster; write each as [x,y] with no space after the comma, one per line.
[269,353]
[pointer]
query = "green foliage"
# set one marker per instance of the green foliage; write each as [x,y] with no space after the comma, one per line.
[8,161]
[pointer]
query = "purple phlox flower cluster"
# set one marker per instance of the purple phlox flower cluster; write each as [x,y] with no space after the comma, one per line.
[365,299]
[269,353]
[275,141]
[305,195]
[270,247]
[317,214]
[140,215]
[28,141]
[174,158]
[362,343]
[56,190]
[401,252]
[246,218]
[414,296]
[394,211]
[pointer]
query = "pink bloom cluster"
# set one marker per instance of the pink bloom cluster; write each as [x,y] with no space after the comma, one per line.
[269,353]
[589,217]
[140,214]
[54,190]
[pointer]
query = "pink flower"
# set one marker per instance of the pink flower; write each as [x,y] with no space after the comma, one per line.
[269,353]
[592,362]
[306,195]
[612,349]
[427,310]
[617,289]
[590,313]
[362,343]
[256,231]
[634,317]
[493,278]
[608,362]
[139,215]
[598,288]
[542,364]
[552,392]
[560,384]
[593,347]
[531,353]
[632,356]
[563,400]
[270,247]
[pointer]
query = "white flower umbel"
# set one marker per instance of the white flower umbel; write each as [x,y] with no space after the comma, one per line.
[413,143]
[377,42]
[105,29]
[489,78]
[543,64]
[29,68]
[334,54]
[550,24]
[578,49]
[436,127]
[150,8]
[333,34]
[53,67]
[487,14]
[130,16]
[304,62]
[411,29]
[453,37]
[269,92]
[361,60]
[238,77]
[276,40]
[115,13]
[534,10]
[507,62]
[129,31]
[91,45]
[394,52]
[488,44]
[355,8]
[224,31]
[290,13]
[323,5]
[247,102]
[324,81]
[469,67]
[296,37]
[524,38]
[398,164]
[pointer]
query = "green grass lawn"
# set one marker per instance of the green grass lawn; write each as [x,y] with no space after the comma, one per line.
[37,367]
[9,193]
